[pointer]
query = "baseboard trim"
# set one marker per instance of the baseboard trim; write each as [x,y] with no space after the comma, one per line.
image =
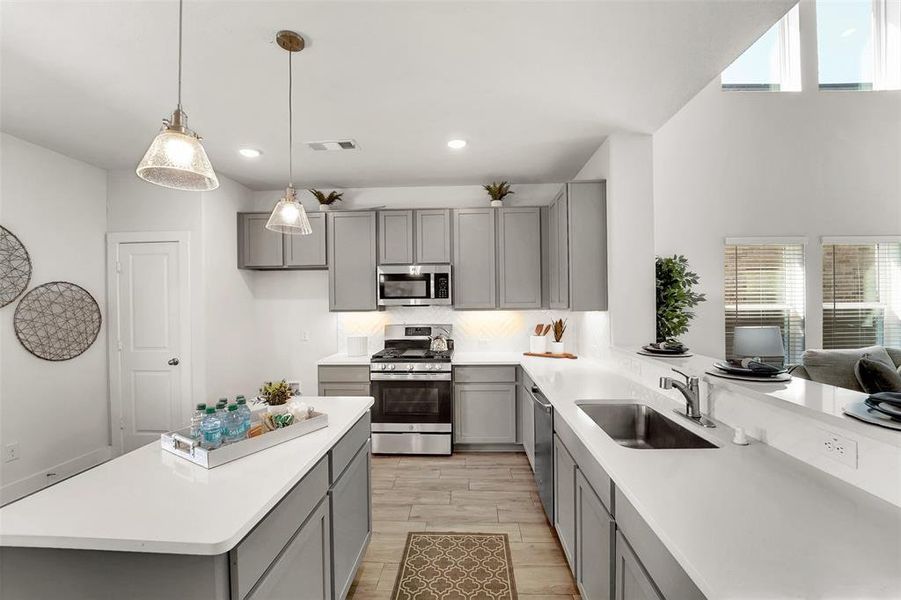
[459,447]
[17,490]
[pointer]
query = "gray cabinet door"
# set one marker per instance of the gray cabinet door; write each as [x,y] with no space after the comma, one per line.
[632,581]
[562,251]
[565,499]
[475,279]
[519,257]
[594,543]
[485,413]
[304,564]
[351,521]
[433,236]
[587,239]
[351,249]
[258,248]
[395,237]
[553,252]
[307,251]
[344,389]
[527,424]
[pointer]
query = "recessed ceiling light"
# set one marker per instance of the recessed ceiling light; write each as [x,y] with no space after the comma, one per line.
[250,152]
[456,144]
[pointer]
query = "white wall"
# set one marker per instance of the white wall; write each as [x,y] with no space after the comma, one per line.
[774,164]
[57,412]
[625,161]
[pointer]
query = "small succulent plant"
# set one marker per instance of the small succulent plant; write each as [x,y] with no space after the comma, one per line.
[276,393]
[497,190]
[559,327]
[327,199]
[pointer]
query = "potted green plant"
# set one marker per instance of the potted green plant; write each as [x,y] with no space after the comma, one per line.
[559,327]
[326,200]
[675,297]
[276,394]
[497,191]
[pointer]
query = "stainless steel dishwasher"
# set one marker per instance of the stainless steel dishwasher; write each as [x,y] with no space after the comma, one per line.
[544,450]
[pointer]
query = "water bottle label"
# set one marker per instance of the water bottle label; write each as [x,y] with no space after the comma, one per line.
[212,436]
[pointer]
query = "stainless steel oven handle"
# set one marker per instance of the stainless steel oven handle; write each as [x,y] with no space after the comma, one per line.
[410,376]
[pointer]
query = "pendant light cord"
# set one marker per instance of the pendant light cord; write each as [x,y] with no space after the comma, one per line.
[290,124]
[180,3]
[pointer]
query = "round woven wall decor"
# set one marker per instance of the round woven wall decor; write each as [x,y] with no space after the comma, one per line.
[57,320]
[15,267]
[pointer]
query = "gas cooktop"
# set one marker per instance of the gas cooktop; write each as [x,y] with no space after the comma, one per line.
[411,355]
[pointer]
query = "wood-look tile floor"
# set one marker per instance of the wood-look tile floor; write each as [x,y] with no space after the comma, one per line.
[472,492]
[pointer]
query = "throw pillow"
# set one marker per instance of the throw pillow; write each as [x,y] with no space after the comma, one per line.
[875,376]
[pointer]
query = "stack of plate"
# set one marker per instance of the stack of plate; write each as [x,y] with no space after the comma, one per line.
[734,371]
[664,351]
[883,408]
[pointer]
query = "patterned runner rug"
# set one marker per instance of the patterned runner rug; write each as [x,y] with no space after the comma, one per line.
[455,566]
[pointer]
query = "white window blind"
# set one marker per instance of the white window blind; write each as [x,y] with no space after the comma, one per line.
[764,285]
[861,294]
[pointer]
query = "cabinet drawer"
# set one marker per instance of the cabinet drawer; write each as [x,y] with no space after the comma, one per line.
[347,447]
[502,374]
[344,389]
[667,574]
[343,374]
[253,555]
[589,466]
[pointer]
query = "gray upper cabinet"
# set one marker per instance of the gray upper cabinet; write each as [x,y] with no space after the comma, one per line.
[475,275]
[261,249]
[519,257]
[352,251]
[433,236]
[258,248]
[594,543]
[396,237]
[577,247]
[308,251]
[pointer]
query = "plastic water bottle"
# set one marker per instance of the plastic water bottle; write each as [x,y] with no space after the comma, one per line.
[233,430]
[244,411]
[211,430]
[197,419]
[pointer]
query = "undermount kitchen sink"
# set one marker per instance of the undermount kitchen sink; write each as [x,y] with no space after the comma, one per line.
[642,427]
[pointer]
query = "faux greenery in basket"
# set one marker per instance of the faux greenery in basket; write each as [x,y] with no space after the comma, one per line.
[326,200]
[675,297]
[276,393]
[497,191]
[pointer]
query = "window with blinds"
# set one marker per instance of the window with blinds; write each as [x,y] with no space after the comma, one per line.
[764,285]
[861,294]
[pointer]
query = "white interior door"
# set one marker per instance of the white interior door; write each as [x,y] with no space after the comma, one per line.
[150,380]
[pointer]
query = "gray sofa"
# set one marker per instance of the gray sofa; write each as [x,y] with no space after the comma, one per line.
[836,367]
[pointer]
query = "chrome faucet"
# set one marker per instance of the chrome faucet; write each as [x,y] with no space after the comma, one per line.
[691,389]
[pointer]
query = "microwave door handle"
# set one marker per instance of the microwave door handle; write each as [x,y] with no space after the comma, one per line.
[431,285]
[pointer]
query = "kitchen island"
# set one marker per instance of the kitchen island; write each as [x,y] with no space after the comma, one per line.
[150,524]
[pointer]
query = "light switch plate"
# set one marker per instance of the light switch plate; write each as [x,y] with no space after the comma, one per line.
[11,452]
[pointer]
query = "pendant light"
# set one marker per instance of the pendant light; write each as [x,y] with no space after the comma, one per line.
[176,158]
[289,216]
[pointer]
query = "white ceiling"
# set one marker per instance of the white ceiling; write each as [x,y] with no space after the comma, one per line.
[533,86]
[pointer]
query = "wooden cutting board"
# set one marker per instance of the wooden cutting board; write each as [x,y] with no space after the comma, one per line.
[551,355]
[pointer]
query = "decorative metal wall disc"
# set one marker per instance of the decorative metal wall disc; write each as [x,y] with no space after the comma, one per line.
[15,267]
[57,320]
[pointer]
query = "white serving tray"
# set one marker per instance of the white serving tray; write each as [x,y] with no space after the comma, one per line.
[179,442]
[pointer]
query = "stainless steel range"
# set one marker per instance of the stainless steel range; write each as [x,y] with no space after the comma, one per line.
[411,384]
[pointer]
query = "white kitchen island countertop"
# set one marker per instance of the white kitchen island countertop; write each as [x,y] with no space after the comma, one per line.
[151,501]
[744,522]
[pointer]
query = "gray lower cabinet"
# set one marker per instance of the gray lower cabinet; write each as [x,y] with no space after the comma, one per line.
[308,251]
[351,511]
[632,581]
[519,257]
[352,258]
[595,530]
[433,236]
[485,413]
[564,499]
[344,389]
[395,237]
[262,249]
[475,268]
[344,380]
[304,564]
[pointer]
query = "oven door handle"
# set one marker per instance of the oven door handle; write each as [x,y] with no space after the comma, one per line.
[410,376]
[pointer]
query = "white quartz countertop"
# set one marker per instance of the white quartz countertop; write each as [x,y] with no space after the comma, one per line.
[151,501]
[745,522]
[486,358]
[341,358]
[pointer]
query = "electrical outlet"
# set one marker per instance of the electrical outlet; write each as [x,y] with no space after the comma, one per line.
[11,452]
[304,336]
[841,449]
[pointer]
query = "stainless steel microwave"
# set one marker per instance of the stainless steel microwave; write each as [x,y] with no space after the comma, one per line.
[414,285]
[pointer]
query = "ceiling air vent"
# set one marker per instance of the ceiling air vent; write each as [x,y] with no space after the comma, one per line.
[328,145]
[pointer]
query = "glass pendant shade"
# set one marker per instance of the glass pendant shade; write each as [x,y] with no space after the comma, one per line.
[176,159]
[289,216]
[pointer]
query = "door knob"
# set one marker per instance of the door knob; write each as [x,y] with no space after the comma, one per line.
[173,362]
